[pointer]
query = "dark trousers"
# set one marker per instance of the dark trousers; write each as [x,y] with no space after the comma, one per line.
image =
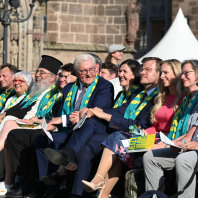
[20,143]
[86,161]
[42,142]
[77,141]
[82,136]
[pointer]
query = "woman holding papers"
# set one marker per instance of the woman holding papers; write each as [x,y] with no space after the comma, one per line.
[170,92]
[181,132]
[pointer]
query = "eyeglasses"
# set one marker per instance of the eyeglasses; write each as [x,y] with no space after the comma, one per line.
[41,72]
[91,70]
[186,73]
[146,69]
[19,81]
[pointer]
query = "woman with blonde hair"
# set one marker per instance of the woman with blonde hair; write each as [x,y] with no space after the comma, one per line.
[114,153]
[183,132]
[171,92]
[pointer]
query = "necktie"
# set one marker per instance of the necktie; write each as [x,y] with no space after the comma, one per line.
[79,100]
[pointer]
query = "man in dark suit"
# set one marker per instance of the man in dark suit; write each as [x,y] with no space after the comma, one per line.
[95,89]
[86,72]
[116,120]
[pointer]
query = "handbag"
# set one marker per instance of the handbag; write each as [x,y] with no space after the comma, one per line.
[134,183]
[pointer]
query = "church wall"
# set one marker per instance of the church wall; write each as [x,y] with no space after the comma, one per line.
[80,26]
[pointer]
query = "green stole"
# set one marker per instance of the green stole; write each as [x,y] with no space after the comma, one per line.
[69,101]
[131,111]
[45,99]
[180,120]
[4,96]
[14,100]
[122,99]
[48,107]
[28,100]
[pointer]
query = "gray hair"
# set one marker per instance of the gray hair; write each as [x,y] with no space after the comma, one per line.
[27,77]
[81,58]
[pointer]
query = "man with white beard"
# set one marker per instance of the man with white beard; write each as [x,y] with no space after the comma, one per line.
[45,78]
[43,89]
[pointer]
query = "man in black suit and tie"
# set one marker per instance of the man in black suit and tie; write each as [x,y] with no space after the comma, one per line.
[115,122]
[86,92]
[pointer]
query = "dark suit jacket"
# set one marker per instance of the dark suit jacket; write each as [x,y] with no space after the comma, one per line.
[102,96]
[120,123]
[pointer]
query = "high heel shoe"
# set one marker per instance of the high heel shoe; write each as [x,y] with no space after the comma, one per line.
[90,187]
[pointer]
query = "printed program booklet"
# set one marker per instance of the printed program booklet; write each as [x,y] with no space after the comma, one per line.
[141,143]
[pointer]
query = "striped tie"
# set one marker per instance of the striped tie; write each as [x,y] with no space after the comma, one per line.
[79,100]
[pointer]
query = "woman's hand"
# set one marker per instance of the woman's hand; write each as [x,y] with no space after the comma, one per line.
[86,110]
[145,132]
[71,78]
[97,112]
[28,122]
[101,114]
[179,143]
[191,146]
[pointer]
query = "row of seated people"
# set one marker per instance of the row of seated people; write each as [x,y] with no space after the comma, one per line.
[22,98]
[148,92]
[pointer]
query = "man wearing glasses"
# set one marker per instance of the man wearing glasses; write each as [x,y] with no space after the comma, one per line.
[75,153]
[88,91]
[44,87]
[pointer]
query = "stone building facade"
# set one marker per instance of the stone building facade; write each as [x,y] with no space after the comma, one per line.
[25,39]
[65,28]
[78,26]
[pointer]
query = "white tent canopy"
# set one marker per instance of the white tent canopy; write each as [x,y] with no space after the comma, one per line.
[178,43]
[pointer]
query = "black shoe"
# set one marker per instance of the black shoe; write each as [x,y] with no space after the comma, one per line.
[64,157]
[38,191]
[18,193]
[34,194]
[51,180]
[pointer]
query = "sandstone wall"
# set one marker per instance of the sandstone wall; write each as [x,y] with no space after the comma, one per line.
[77,26]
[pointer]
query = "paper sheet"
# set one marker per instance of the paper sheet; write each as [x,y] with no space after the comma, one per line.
[44,126]
[80,122]
[166,140]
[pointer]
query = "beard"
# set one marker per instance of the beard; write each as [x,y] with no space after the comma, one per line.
[39,88]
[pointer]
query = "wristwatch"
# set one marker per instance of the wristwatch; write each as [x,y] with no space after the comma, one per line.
[167,146]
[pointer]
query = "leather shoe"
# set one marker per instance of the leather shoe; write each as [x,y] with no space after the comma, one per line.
[51,180]
[34,194]
[64,157]
[18,193]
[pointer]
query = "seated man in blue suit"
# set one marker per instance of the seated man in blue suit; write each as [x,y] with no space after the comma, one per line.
[87,91]
[77,153]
